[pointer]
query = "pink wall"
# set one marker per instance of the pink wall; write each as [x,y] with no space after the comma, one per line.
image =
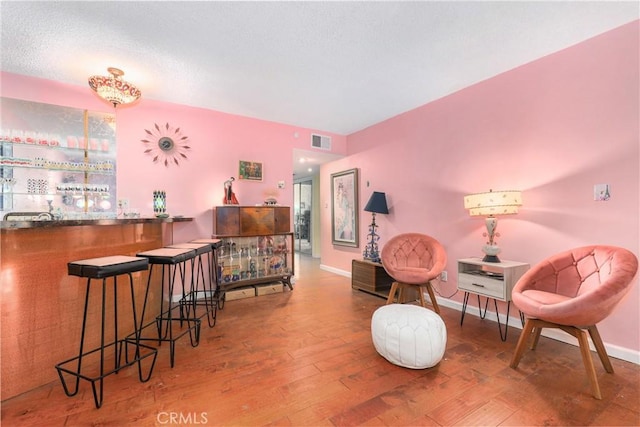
[552,128]
[218,141]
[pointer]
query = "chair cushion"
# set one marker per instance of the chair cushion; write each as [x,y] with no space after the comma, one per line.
[542,297]
[168,255]
[408,335]
[200,248]
[215,243]
[107,266]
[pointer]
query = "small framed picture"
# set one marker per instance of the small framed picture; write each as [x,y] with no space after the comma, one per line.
[251,171]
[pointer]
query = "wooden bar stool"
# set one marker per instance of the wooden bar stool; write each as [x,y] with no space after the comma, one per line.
[103,268]
[171,262]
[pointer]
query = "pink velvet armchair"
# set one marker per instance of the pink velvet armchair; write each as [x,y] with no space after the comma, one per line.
[413,260]
[573,291]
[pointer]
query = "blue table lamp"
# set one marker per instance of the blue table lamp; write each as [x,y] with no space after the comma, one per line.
[376,204]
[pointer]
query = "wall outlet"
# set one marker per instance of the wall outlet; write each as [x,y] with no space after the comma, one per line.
[443,276]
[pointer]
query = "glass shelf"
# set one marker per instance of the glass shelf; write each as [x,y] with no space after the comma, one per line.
[46,166]
[255,259]
[95,146]
[106,168]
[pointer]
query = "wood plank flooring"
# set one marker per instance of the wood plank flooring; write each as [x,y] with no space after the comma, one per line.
[305,358]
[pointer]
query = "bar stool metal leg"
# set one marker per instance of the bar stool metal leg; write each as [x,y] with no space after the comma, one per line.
[67,391]
[172,263]
[201,293]
[136,342]
[102,268]
[212,292]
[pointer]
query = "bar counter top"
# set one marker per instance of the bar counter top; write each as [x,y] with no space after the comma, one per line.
[12,225]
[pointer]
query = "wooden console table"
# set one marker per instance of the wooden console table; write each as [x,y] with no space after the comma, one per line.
[257,246]
[370,277]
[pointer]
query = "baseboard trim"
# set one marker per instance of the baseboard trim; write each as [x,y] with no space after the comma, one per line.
[614,351]
[335,270]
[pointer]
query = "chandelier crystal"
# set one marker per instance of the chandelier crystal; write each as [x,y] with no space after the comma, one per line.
[113,89]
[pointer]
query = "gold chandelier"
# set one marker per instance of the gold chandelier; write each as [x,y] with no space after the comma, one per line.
[113,89]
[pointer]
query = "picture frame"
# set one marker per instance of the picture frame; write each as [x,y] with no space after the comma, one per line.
[250,171]
[344,208]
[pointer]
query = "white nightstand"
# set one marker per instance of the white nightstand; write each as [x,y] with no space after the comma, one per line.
[493,280]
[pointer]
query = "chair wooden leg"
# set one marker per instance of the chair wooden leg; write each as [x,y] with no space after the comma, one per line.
[522,343]
[534,327]
[536,337]
[588,362]
[421,297]
[434,303]
[392,292]
[602,352]
[401,289]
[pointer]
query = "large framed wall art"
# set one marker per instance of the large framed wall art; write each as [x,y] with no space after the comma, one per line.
[344,208]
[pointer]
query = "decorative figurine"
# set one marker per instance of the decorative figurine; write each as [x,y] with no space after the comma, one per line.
[253,271]
[229,195]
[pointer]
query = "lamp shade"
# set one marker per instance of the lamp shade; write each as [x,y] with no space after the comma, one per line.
[493,203]
[377,203]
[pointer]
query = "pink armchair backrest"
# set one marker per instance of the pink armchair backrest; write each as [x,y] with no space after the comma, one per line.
[413,258]
[580,286]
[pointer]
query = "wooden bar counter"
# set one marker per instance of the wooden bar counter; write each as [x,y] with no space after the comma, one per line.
[41,306]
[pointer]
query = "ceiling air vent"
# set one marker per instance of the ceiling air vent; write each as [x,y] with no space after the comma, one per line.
[321,141]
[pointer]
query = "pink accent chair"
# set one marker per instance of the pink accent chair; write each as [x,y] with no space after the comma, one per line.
[413,260]
[573,291]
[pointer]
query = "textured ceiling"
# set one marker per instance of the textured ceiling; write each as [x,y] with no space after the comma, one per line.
[331,66]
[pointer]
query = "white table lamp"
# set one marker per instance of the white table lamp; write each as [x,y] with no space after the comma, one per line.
[489,205]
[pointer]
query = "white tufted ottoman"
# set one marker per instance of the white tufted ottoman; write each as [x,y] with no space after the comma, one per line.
[408,335]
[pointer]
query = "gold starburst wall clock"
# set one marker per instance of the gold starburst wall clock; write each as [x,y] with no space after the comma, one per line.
[166,144]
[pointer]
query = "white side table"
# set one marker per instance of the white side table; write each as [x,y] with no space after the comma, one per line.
[493,280]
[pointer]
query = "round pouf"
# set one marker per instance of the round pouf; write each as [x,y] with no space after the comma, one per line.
[409,335]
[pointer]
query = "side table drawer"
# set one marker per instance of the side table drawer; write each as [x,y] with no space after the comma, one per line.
[485,286]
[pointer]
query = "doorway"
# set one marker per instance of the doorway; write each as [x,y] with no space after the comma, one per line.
[302,208]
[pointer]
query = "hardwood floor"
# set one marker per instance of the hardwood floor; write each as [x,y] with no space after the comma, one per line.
[306,358]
